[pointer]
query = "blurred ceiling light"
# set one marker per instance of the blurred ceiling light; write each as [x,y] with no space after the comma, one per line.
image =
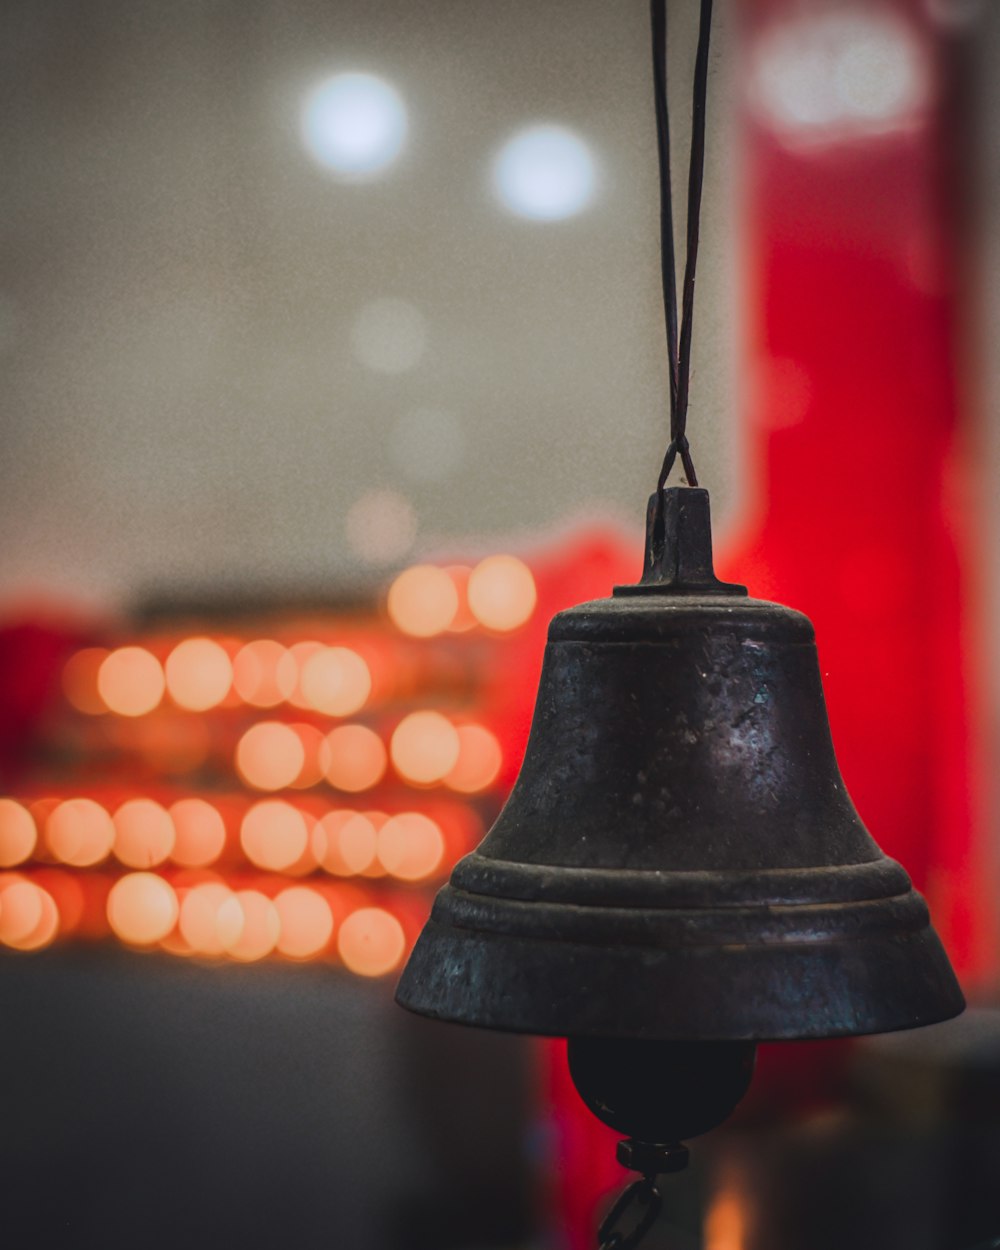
[264,673]
[46,927]
[274,835]
[305,922]
[270,756]
[131,681]
[199,917]
[410,846]
[389,335]
[301,653]
[21,910]
[357,758]
[336,680]
[144,833]
[840,76]
[199,833]
[424,747]
[354,125]
[545,173]
[371,942]
[249,925]
[427,444]
[199,674]
[478,763]
[17,833]
[502,593]
[381,526]
[423,601]
[79,832]
[79,679]
[142,908]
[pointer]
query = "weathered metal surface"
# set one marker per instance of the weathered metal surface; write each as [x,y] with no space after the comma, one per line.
[680,858]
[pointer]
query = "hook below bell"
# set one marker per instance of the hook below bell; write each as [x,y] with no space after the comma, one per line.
[679,858]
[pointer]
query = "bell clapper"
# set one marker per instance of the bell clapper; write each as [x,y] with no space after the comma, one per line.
[659,1093]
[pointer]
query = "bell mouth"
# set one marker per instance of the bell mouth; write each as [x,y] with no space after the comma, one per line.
[762,972]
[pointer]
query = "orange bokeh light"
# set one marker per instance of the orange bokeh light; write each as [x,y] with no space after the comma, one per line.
[79,832]
[131,681]
[478,763]
[249,925]
[142,908]
[502,593]
[199,917]
[357,758]
[335,681]
[79,680]
[18,835]
[306,922]
[315,756]
[423,601]
[274,835]
[270,756]
[199,833]
[424,747]
[410,846]
[371,942]
[199,674]
[264,673]
[29,918]
[144,833]
[301,653]
[345,842]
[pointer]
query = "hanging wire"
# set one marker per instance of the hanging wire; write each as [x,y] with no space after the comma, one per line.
[679,348]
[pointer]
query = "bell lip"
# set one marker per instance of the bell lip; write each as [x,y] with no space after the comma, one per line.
[875,993]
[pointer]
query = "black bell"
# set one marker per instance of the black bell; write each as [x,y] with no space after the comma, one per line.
[680,858]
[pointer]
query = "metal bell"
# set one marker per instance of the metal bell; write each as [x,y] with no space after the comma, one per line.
[680,858]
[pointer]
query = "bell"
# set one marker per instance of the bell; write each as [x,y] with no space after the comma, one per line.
[679,858]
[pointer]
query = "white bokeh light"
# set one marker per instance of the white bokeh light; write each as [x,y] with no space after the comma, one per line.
[840,76]
[354,125]
[389,335]
[427,444]
[545,173]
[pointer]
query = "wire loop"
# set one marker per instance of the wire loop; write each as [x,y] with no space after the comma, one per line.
[646,1194]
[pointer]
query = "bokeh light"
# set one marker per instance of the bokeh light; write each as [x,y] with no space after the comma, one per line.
[315,756]
[345,843]
[199,917]
[142,908]
[502,594]
[422,601]
[270,756]
[424,747]
[305,922]
[336,681]
[410,846]
[199,833]
[199,674]
[249,926]
[354,125]
[545,173]
[18,835]
[371,942]
[274,835]
[479,760]
[79,832]
[264,673]
[357,758]
[144,833]
[79,680]
[844,75]
[29,918]
[131,681]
